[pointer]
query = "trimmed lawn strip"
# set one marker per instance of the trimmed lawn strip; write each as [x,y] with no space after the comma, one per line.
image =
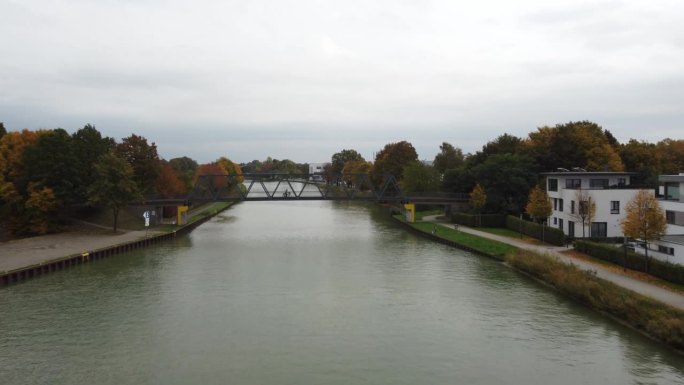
[485,246]
[649,316]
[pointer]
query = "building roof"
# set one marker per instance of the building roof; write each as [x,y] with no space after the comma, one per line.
[671,178]
[587,173]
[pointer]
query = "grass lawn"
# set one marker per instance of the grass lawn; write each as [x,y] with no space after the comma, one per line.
[486,246]
[424,213]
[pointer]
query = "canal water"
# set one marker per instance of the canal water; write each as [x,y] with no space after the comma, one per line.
[310,293]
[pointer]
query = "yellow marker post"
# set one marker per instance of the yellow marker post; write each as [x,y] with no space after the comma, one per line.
[182,214]
[410,212]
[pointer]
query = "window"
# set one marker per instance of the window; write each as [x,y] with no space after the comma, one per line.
[553,184]
[598,183]
[555,220]
[560,223]
[599,229]
[670,217]
[671,191]
[573,183]
[555,203]
[560,204]
[572,207]
[666,250]
[571,228]
[615,207]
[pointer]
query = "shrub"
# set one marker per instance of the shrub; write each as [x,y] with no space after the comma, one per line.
[472,220]
[662,269]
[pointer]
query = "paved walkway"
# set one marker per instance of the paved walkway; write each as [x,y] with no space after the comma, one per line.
[31,251]
[663,295]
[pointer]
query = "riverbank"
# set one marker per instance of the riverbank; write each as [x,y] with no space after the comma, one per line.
[652,310]
[31,257]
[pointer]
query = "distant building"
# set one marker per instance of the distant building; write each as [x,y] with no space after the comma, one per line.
[316,168]
[610,192]
[671,199]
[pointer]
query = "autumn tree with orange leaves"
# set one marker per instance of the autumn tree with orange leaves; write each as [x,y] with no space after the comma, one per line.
[644,219]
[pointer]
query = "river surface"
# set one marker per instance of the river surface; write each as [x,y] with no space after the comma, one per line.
[310,293]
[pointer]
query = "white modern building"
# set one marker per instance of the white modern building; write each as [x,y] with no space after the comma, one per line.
[671,199]
[609,191]
[316,168]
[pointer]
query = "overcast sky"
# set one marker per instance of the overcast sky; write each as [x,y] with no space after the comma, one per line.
[304,79]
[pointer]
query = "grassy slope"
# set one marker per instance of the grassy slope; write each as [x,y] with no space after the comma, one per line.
[656,319]
[485,246]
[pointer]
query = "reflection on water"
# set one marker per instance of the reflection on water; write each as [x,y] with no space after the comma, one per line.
[310,293]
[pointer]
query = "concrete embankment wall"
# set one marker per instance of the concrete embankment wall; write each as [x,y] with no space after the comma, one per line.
[46,267]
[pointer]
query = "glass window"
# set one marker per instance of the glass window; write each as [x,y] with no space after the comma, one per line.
[560,223]
[553,184]
[573,183]
[572,207]
[560,204]
[666,250]
[615,207]
[598,183]
[599,229]
[670,217]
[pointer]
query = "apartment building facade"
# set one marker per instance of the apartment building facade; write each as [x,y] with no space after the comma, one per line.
[570,191]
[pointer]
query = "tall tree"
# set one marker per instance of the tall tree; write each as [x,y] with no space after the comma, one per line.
[419,178]
[507,178]
[538,206]
[115,186]
[393,158]
[503,144]
[185,169]
[574,144]
[89,145]
[643,158]
[478,200]
[644,219]
[144,159]
[57,170]
[449,157]
[340,158]
[3,130]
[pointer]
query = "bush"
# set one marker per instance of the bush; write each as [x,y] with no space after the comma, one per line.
[472,220]
[551,235]
[668,271]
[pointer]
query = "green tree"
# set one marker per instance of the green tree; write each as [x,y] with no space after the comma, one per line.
[393,158]
[478,200]
[3,130]
[115,185]
[88,145]
[143,158]
[538,205]
[419,178]
[643,158]
[574,144]
[184,168]
[503,144]
[448,158]
[507,178]
[644,219]
[51,162]
[339,159]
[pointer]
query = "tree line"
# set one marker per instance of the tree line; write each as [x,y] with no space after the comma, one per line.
[43,173]
[507,168]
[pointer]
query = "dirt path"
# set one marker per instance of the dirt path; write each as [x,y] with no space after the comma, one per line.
[645,288]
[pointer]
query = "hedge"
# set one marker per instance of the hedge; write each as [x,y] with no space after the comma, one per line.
[474,220]
[662,269]
[552,235]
